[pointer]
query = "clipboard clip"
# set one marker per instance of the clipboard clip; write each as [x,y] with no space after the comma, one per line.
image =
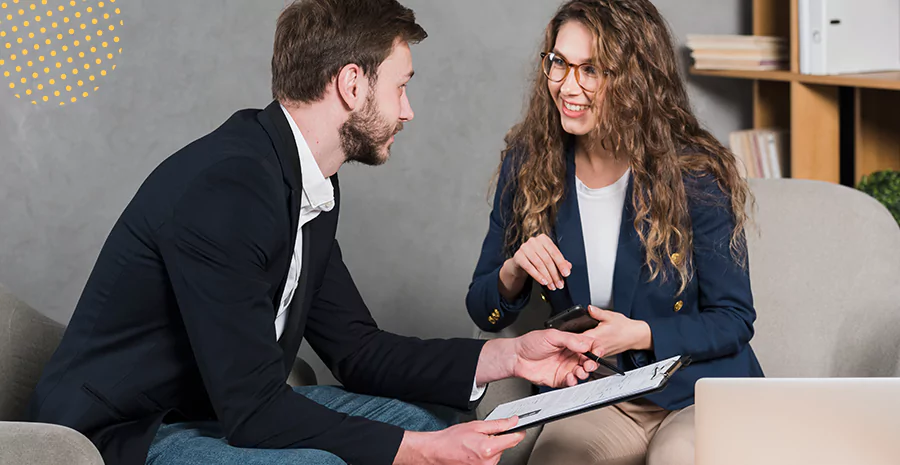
[684,361]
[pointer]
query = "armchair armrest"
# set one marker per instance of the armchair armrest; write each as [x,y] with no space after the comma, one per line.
[45,444]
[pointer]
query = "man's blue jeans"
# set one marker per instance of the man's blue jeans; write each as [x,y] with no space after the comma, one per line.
[203,442]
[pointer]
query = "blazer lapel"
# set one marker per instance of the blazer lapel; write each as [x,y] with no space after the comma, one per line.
[570,238]
[629,260]
[276,125]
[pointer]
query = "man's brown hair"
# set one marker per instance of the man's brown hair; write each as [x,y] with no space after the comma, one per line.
[314,39]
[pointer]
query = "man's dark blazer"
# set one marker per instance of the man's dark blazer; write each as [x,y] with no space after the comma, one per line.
[176,321]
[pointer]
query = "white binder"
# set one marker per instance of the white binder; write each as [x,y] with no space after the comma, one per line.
[849,36]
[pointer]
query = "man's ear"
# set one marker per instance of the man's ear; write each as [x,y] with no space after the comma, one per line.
[350,84]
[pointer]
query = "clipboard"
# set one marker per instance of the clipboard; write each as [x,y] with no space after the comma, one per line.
[562,403]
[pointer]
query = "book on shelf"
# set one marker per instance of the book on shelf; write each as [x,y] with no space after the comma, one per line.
[748,65]
[739,52]
[761,153]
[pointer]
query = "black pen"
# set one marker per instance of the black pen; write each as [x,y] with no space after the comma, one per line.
[604,363]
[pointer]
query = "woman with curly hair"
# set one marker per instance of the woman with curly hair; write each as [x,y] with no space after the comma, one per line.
[610,194]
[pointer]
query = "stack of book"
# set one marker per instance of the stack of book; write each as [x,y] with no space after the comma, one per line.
[761,153]
[757,53]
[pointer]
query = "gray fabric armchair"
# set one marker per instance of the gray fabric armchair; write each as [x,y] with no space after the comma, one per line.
[825,271]
[27,340]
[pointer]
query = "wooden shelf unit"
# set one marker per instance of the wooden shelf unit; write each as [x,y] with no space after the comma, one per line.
[810,108]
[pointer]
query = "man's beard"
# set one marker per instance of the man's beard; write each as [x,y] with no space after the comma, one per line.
[366,134]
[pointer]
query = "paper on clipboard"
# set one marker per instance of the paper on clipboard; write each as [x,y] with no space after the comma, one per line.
[537,408]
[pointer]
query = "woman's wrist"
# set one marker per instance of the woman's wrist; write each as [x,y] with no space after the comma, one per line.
[645,335]
[511,281]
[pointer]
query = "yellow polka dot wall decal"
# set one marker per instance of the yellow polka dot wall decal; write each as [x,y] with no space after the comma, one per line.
[45,98]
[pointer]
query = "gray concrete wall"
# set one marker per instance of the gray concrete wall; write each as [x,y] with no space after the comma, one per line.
[411,230]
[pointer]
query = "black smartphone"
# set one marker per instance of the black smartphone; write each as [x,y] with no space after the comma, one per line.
[573,320]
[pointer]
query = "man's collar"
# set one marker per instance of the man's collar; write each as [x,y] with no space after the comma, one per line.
[317,189]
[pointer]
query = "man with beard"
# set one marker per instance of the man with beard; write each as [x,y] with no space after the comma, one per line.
[180,346]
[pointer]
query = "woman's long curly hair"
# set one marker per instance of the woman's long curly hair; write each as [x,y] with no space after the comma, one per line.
[645,117]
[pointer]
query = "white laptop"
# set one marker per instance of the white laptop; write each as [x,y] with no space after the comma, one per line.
[787,421]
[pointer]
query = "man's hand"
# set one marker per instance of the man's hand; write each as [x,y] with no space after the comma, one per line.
[617,333]
[470,443]
[547,357]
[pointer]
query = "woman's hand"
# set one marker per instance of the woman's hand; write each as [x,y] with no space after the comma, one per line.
[539,258]
[617,333]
